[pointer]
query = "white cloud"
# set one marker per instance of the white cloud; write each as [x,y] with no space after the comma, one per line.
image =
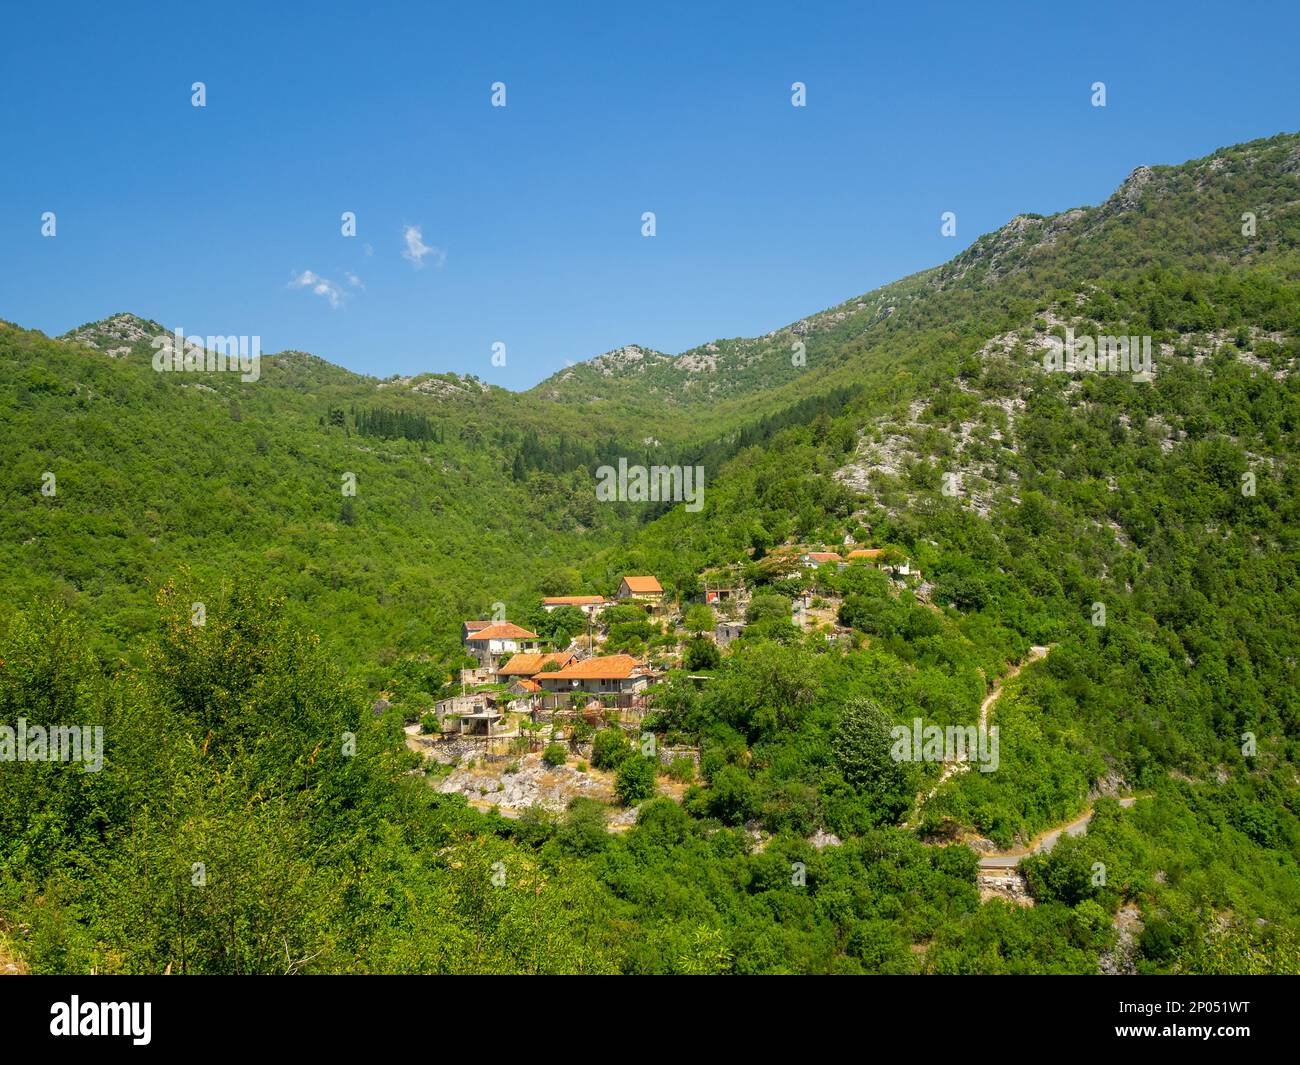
[353,280]
[416,249]
[321,286]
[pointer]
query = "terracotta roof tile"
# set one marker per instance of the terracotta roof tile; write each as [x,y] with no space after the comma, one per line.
[606,667]
[526,663]
[503,630]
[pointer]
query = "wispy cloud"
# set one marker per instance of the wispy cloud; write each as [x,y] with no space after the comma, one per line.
[321,286]
[353,280]
[417,250]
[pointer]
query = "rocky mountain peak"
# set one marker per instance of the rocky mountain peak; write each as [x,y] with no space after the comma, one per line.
[117,334]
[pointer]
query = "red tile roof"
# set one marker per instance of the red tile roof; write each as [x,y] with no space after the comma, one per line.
[643,585]
[502,630]
[867,552]
[527,663]
[573,600]
[823,556]
[606,667]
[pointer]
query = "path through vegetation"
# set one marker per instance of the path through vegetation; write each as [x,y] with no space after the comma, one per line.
[951,769]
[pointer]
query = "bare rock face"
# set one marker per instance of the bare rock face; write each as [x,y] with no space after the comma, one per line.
[1129,194]
[822,839]
[1005,884]
[1112,784]
[441,386]
[1119,960]
[629,357]
[116,335]
[533,784]
[1292,164]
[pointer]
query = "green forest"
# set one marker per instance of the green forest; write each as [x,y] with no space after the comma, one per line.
[259,812]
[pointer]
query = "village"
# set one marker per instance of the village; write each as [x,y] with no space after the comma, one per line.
[520,728]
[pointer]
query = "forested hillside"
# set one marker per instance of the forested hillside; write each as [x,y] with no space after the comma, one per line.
[455,504]
[919,418]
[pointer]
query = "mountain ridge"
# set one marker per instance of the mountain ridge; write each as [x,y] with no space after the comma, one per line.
[633,374]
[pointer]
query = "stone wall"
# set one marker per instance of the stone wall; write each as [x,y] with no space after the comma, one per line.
[668,755]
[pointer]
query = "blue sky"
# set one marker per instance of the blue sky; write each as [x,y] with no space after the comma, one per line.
[203,218]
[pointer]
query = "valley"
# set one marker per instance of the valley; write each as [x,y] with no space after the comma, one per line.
[461,702]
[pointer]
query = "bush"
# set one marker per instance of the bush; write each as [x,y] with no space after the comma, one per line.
[582,831]
[682,769]
[534,826]
[554,754]
[636,780]
[609,749]
[702,653]
[699,618]
[732,798]
[429,721]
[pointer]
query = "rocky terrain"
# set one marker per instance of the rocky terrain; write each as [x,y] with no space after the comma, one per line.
[532,783]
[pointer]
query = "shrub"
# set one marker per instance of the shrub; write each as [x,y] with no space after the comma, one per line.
[609,749]
[582,831]
[554,754]
[682,769]
[636,780]
[534,826]
[702,653]
[699,618]
[732,798]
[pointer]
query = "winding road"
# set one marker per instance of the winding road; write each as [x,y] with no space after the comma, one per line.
[1041,843]
[951,769]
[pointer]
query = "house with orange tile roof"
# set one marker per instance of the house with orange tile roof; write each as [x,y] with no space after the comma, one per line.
[588,604]
[497,639]
[605,674]
[813,559]
[876,555]
[647,589]
[469,627]
[529,664]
